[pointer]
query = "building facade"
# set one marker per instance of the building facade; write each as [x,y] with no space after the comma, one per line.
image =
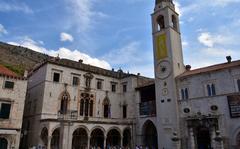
[12,98]
[73,105]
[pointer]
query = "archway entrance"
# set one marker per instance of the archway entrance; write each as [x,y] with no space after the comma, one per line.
[127,138]
[113,138]
[3,143]
[203,138]
[80,139]
[150,137]
[44,137]
[55,139]
[97,138]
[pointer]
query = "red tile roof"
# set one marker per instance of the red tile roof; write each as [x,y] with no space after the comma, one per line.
[210,69]
[7,72]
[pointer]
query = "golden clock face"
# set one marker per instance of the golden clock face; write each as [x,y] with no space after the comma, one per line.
[163,69]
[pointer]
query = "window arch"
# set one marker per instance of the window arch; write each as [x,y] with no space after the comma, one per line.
[64,102]
[106,108]
[174,22]
[161,22]
[3,143]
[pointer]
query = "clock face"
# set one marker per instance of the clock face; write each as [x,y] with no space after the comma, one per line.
[163,69]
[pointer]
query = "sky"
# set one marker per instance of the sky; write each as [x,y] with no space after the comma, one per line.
[117,33]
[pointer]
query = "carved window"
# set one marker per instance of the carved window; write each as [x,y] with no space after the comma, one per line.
[75,81]
[161,22]
[91,108]
[56,77]
[5,109]
[114,86]
[99,84]
[81,107]
[9,85]
[124,87]
[124,111]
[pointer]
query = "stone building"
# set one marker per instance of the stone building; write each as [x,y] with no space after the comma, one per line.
[73,105]
[12,97]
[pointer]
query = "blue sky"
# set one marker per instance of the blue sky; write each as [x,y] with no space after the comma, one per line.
[117,33]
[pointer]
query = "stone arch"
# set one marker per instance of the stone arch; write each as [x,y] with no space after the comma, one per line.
[150,136]
[114,137]
[53,128]
[114,127]
[55,139]
[82,127]
[80,138]
[64,99]
[98,127]
[4,143]
[44,136]
[97,137]
[160,22]
[236,134]
[127,137]
[174,22]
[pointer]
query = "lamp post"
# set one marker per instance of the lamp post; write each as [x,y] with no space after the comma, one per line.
[176,140]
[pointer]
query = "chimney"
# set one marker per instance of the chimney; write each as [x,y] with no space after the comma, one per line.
[80,61]
[229,59]
[188,67]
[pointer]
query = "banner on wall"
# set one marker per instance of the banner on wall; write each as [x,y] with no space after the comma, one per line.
[161,47]
[234,105]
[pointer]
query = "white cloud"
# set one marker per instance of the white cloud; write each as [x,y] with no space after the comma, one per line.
[13,6]
[3,30]
[84,16]
[210,40]
[66,37]
[217,52]
[178,7]
[62,52]
[224,2]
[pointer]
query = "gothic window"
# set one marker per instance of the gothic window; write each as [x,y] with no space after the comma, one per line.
[64,103]
[91,108]
[106,108]
[86,105]
[81,107]
[238,84]
[174,22]
[161,23]
[211,90]
[184,94]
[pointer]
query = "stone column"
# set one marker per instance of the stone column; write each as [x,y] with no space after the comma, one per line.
[88,142]
[49,142]
[105,142]
[121,144]
[192,139]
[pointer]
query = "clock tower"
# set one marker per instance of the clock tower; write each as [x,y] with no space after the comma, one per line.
[168,64]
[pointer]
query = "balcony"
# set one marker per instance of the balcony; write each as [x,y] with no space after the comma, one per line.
[69,115]
[147,108]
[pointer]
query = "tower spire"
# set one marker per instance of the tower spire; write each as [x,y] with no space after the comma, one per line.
[160,1]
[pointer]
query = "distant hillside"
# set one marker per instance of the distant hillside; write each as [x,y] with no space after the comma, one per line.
[19,59]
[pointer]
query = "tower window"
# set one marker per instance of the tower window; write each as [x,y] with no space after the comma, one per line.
[161,23]
[238,84]
[174,22]
[211,90]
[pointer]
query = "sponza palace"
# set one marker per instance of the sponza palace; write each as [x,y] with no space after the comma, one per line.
[71,105]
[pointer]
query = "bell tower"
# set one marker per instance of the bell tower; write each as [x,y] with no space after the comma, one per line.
[168,64]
